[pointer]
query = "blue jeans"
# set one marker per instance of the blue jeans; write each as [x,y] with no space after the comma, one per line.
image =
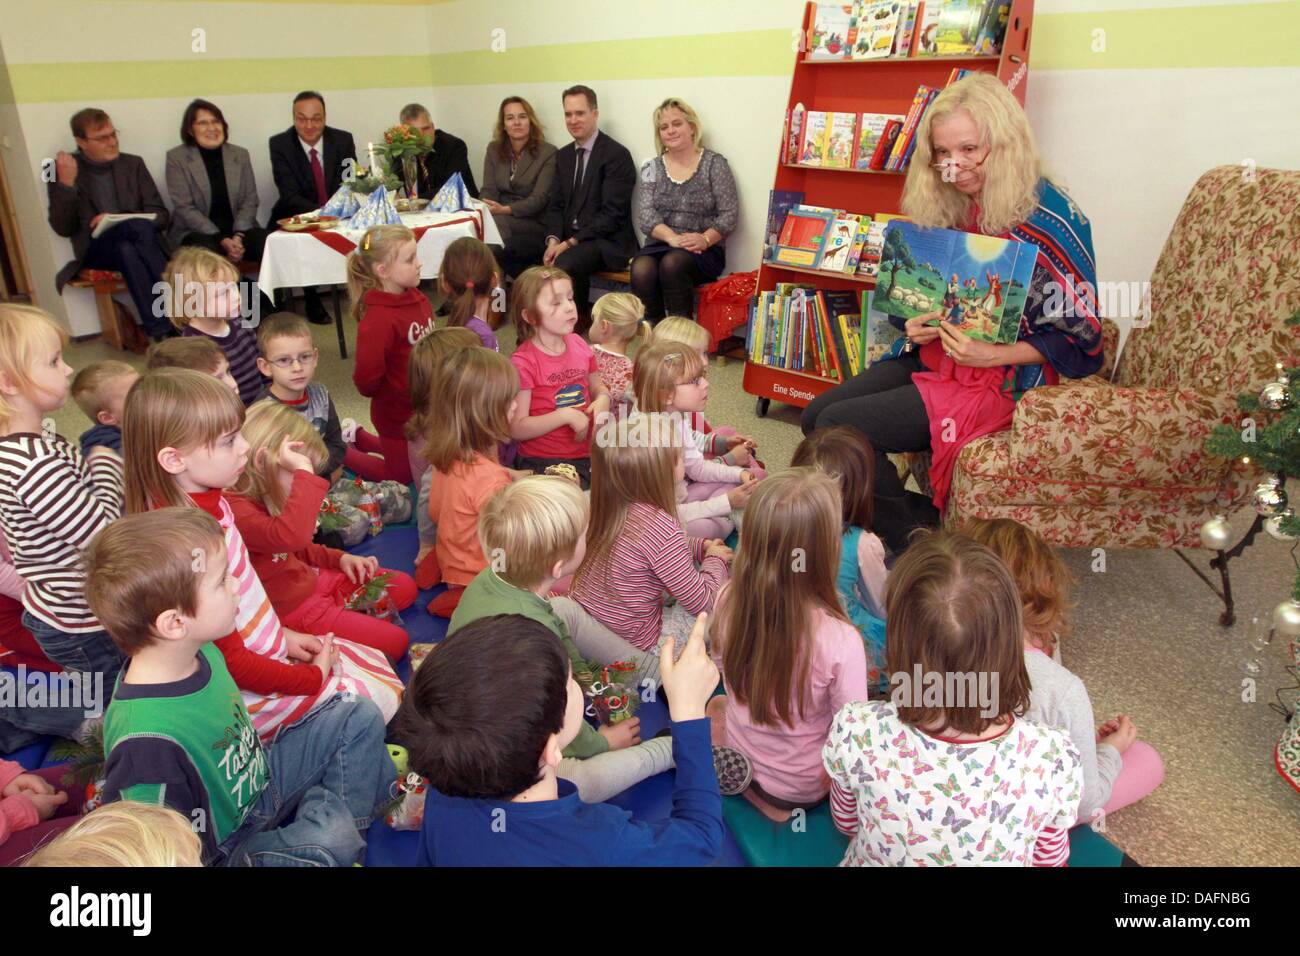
[328,773]
[93,652]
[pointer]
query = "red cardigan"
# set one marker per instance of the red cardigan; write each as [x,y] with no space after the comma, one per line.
[390,327]
[283,554]
[250,670]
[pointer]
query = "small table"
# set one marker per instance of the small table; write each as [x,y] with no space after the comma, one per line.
[304,259]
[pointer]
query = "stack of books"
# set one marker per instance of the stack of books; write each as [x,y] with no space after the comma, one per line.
[875,29]
[801,328]
[818,237]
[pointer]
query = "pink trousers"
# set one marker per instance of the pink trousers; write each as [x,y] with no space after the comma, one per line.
[322,613]
[376,458]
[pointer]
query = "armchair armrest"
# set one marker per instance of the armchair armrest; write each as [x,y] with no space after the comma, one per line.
[1084,432]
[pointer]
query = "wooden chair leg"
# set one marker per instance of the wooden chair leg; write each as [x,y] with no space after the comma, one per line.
[107,310]
[132,335]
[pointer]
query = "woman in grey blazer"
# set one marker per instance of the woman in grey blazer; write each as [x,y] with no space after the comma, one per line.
[213,192]
[518,176]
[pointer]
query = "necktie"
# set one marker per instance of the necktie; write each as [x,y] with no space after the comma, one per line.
[318,174]
[577,178]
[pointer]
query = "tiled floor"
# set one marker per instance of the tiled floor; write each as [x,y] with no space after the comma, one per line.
[1147,643]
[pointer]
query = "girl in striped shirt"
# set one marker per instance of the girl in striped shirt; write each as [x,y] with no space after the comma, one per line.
[201,290]
[183,446]
[636,550]
[53,502]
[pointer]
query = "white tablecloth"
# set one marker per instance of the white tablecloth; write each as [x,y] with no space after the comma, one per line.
[297,259]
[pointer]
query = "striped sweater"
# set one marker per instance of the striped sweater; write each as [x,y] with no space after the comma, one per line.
[624,588]
[240,346]
[53,502]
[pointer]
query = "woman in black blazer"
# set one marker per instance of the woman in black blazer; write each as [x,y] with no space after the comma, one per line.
[518,176]
[213,192]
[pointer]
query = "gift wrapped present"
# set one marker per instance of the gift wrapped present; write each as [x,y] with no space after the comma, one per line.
[347,521]
[394,502]
[371,597]
[343,203]
[348,491]
[417,653]
[613,699]
[452,197]
[377,210]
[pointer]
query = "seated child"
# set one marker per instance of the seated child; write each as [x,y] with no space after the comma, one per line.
[100,391]
[177,733]
[669,378]
[999,789]
[722,442]
[423,371]
[1118,769]
[275,503]
[617,320]
[496,793]
[845,453]
[202,296]
[636,549]
[33,808]
[533,531]
[196,354]
[288,356]
[53,501]
[125,833]
[561,395]
[478,395]
[467,277]
[789,657]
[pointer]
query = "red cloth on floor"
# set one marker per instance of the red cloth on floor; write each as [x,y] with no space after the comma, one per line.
[19,640]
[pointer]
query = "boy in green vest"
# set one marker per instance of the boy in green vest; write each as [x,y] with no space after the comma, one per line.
[180,734]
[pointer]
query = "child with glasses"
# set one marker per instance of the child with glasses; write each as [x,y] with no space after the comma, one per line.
[287,355]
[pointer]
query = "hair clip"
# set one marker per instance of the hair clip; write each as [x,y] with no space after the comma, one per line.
[365,243]
[470,285]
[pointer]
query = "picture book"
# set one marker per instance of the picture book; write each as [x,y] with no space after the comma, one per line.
[959,277]
[870,129]
[878,24]
[886,144]
[993,27]
[873,245]
[839,244]
[779,204]
[903,40]
[879,332]
[830,33]
[803,237]
[840,128]
[812,150]
[795,135]
[859,242]
[958,29]
[926,36]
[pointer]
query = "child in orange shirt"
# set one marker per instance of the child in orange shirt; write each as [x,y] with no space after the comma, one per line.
[479,393]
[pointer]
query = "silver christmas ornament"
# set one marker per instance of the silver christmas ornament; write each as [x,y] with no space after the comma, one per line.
[1274,525]
[1269,498]
[1275,396]
[1216,534]
[1286,618]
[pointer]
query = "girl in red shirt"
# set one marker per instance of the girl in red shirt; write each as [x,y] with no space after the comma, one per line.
[392,315]
[275,502]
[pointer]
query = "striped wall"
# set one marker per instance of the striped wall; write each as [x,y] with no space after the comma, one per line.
[1131,99]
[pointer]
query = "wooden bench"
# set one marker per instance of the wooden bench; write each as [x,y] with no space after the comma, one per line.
[623,278]
[116,324]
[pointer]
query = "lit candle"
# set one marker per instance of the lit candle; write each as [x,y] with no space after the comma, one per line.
[371,149]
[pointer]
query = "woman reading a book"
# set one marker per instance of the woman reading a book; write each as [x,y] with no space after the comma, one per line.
[976,168]
[686,207]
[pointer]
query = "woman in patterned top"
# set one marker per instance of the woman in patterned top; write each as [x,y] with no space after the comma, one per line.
[977,169]
[686,206]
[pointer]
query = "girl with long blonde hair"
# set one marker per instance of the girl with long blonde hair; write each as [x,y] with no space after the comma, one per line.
[392,315]
[789,656]
[275,503]
[976,168]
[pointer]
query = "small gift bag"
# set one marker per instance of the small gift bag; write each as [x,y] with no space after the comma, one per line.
[452,197]
[613,700]
[371,598]
[377,210]
[351,524]
[343,203]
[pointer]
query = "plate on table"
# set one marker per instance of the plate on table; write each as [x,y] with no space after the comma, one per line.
[410,205]
[308,223]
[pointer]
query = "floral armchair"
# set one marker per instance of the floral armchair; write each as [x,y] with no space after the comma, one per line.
[1122,463]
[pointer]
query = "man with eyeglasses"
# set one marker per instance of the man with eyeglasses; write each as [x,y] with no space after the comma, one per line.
[99,179]
[308,162]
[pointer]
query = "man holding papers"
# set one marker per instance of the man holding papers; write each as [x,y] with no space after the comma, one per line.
[100,180]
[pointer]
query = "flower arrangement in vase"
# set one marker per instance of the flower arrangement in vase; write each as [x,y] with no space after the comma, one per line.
[403,147]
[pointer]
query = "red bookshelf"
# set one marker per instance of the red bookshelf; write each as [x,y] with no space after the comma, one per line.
[864,86]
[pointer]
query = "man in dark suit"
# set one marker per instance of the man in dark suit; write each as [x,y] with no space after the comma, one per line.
[308,162]
[449,154]
[589,221]
[99,179]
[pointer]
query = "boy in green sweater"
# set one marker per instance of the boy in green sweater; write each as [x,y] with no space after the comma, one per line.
[179,735]
[533,533]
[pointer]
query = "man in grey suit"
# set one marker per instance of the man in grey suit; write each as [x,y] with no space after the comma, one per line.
[99,179]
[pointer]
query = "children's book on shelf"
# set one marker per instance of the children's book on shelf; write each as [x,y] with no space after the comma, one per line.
[859,242]
[878,24]
[795,134]
[976,282]
[993,28]
[903,40]
[839,244]
[959,25]
[830,33]
[803,236]
[804,329]
[921,101]
[779,204]
[872,246]
[812,150]
[926,36]
[886,144]
[840,128]
[871,128]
